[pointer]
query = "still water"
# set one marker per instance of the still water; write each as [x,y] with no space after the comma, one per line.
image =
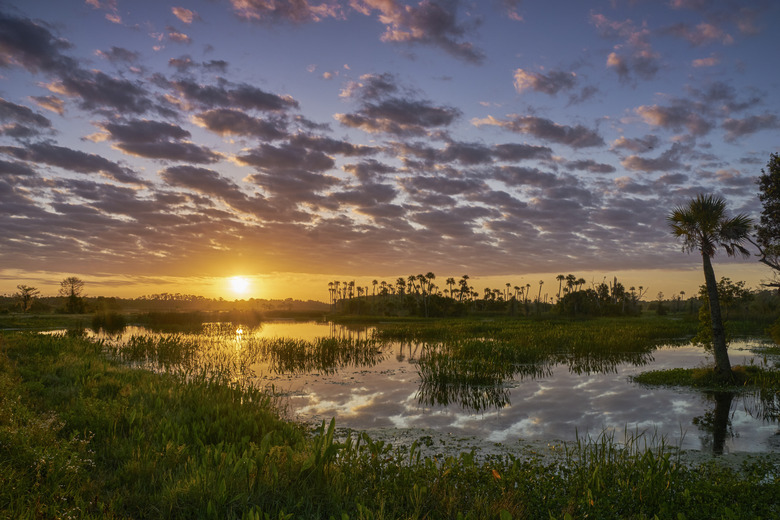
[384,391]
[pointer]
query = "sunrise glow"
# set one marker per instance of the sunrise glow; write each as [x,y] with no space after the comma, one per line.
[239,285]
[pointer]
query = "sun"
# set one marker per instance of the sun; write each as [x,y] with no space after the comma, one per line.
[239,285]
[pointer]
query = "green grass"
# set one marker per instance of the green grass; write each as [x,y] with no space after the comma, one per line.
[82,436]
[44,321]
[744,377]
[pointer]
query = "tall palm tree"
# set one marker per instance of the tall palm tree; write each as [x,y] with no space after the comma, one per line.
[570,282]
[451,284]
[702,224]
[560,279]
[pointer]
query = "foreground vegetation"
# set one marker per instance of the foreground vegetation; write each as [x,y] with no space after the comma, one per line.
[85,437]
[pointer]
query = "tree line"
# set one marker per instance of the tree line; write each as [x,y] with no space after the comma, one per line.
[420,295]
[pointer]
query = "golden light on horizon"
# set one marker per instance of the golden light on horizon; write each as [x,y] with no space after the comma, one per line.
[239,285]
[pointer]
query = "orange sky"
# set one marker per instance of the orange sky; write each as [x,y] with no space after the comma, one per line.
[314,286]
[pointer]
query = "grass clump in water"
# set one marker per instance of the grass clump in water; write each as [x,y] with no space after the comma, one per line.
[743,377]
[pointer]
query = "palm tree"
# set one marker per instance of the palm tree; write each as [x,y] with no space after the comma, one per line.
[560,279]
[570,281]
[451,284]
[702,224]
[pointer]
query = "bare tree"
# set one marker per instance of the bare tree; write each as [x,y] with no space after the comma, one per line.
[26,296]
[72,289]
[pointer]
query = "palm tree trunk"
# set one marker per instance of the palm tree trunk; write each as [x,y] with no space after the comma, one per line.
[719,347]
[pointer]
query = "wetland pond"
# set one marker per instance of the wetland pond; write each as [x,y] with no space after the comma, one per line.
[410,390]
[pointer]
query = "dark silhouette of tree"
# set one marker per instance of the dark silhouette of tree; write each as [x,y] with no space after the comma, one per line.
[702,225]
[26,296]
[768,228]
[450,283]
[72,289]
[570,282]
[560,279]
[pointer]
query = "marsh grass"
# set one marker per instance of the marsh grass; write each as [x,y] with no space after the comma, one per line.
[473,362]
[83,436]
[226,353]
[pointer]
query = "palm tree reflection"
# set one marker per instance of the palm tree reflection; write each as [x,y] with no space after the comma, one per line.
[716,424]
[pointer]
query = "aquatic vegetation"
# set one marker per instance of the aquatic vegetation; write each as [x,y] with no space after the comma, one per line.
[471,362]
[224,353]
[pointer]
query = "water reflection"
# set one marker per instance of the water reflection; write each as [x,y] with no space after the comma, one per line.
[489,391]
[716,423]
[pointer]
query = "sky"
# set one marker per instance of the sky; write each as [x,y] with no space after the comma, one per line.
[150,146]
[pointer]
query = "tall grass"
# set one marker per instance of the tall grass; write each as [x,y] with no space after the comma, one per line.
[224,353]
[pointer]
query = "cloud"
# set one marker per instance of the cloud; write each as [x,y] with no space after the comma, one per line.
[119,55]
[575,136]
[399,117]
[705,62]
[182,64]
[16,169]
[26,44]
[702,34]
[736,128]
[97,90]
[226,94]
[723,97]
[371,86]
[428,23]
[52,103]
[271,158]
[368,170]
[34,47]
[550,83]
[520,177]
[20,121]
[667,161]
[519,152]
[226,121]
[676,118]
[296,11]
[367,195]
[331,146]
[185,15]
[642,63]
[157,140]
[591,166]
[209,183]
[72,160]
[634,56]
[636,144]
[512,8]
[177,37]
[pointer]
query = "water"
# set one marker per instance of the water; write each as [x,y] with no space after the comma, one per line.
[555,404]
